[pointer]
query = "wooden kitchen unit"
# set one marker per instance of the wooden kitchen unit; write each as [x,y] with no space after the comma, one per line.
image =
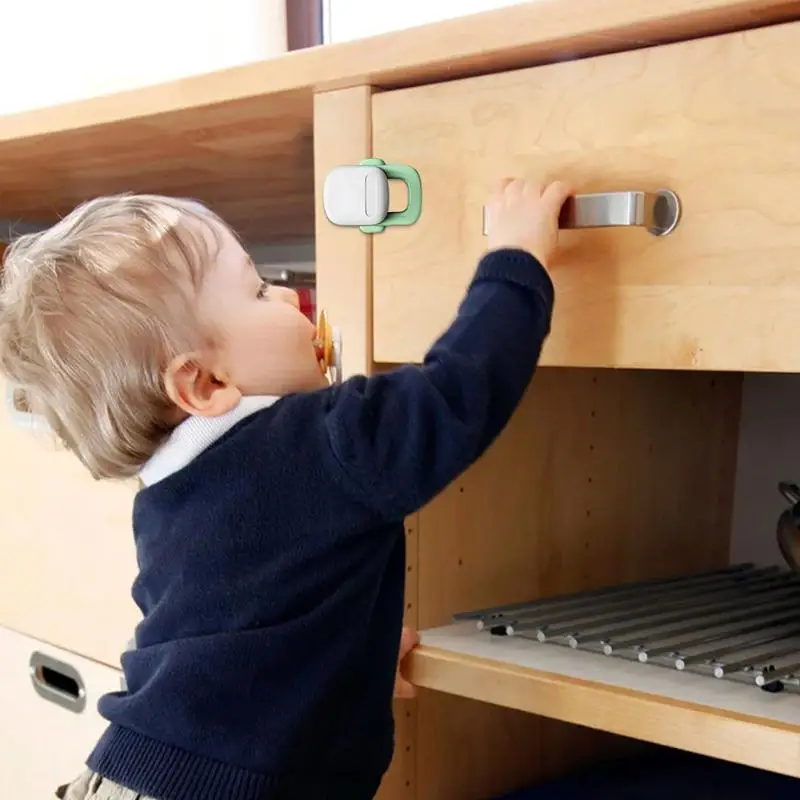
[619,464]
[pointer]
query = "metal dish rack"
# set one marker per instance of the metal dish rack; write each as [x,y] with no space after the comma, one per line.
[740,623]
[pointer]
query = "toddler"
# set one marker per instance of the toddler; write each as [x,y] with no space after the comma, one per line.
[269,529]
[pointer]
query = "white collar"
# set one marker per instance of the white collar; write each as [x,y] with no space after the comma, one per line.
[194,435]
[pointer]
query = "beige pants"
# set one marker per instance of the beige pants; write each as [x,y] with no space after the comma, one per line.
[92,787]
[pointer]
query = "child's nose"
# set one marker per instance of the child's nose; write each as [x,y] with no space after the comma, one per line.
[287,295]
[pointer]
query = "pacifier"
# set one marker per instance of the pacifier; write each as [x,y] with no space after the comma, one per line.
[328,348]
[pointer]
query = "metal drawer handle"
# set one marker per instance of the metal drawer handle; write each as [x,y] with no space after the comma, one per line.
[57,682]
[659,212]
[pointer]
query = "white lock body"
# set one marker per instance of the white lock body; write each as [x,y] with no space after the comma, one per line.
[355,195]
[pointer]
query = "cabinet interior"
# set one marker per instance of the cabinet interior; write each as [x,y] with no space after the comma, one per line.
[602,477]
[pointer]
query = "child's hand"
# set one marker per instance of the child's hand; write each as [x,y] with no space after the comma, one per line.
[403,689]
[524,215]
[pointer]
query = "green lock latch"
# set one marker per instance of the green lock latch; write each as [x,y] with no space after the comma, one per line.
[357,195]
[410,177]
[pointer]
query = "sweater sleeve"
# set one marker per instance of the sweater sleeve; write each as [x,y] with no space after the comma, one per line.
[400,437]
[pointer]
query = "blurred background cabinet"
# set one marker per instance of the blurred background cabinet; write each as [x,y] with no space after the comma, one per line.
[48,699]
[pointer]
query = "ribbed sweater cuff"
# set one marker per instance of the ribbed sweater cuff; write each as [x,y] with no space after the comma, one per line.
[518,267]
[169,773]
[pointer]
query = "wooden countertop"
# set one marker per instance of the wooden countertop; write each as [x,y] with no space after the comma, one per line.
[702,715]
[241,139]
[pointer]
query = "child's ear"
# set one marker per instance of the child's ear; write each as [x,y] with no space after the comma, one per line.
[197,390]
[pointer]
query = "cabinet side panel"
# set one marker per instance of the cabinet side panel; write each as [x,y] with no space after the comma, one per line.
[343,135]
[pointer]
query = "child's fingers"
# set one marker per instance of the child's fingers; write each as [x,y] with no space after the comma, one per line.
[409,639]
[403,689]
[554,196]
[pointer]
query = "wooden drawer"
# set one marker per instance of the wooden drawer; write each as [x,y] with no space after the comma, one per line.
[45,737]
[715,120]
[68,553]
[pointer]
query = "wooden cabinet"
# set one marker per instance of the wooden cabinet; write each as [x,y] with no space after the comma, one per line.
[68,558]
[48,698]
[619,464]
[604,475]
[714,120]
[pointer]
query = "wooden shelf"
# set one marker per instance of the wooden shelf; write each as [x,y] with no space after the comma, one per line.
[689,712]
[241,139]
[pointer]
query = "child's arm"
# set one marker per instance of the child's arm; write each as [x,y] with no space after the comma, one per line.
[400,437]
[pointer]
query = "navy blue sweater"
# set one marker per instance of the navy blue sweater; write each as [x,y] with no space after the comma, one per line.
[272,566]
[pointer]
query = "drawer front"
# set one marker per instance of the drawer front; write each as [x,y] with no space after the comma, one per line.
[68,553]
[47,731]
[714,120]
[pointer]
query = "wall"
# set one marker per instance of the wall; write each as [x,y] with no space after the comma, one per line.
[57,52]
[354,19]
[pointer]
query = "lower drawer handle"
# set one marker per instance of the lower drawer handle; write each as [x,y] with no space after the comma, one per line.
[659,212]
[57,682]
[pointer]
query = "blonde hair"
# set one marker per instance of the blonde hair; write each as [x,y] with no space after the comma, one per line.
[91,312]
